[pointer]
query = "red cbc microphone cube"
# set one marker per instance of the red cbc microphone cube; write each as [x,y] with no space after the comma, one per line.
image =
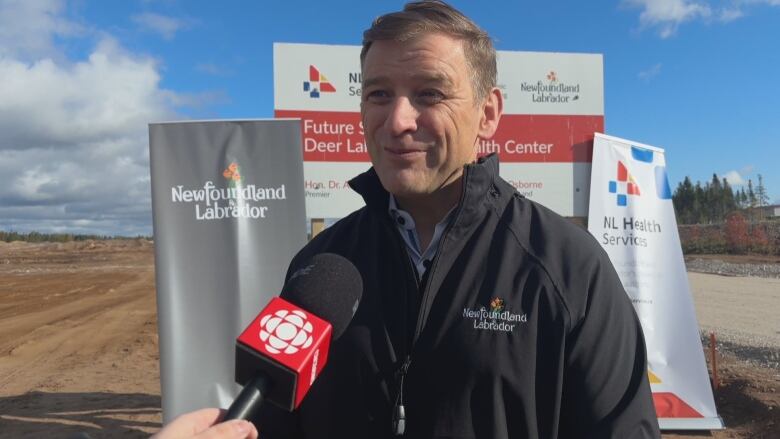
[288,344]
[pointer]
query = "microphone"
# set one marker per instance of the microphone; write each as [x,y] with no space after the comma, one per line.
[279,355]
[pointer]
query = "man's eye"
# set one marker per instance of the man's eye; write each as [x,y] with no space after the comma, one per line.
[377,96]
[430,97]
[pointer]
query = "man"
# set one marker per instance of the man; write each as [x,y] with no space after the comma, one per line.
[484,315]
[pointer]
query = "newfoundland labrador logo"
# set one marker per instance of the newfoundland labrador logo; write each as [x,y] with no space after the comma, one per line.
[233,175]
[234,201]
[497,318]
[552,90]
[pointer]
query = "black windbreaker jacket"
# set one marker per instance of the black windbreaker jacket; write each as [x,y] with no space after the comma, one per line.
[520,328]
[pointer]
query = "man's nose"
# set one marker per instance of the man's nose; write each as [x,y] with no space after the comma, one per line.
[403,116]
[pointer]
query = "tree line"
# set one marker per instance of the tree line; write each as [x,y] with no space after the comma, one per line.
[713,201]
[53,237]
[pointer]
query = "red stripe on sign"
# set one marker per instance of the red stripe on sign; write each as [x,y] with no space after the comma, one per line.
[544,138]
[330,136]
[669,405]
[314,74]
[337,136]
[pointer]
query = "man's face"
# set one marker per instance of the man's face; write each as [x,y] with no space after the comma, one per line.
[420,116]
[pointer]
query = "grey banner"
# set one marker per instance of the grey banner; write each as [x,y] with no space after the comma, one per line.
[228,205]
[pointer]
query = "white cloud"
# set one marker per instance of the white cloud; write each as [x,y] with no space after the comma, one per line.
[27,27]
[739,8]
[650,73]
[760,2]
[109,95]
[160,24]
[734,178]
[666,16]
[74,154]
[730,14]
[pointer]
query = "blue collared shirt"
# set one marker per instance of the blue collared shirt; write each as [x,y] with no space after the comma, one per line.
[405,223]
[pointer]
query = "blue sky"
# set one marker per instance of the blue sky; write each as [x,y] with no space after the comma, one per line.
[80,80]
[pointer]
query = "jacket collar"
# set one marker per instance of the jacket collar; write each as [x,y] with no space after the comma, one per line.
[478,179]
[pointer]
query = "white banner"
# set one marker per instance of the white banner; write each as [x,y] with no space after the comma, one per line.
[632,216]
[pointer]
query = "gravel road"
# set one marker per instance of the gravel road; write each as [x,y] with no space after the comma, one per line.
[741,305]
[716,266]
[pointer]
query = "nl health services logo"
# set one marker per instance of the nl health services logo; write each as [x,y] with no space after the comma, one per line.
[286,331]
[625,185]
[317,84]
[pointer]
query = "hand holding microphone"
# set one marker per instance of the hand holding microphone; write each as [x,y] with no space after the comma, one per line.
[202,424]
[279,355]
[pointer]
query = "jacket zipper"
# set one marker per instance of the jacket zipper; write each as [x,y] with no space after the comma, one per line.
[399,411]
[435,262]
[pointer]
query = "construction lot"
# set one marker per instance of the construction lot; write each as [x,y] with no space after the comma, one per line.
[79,353]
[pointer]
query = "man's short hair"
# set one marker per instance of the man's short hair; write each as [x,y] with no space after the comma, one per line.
[432,16]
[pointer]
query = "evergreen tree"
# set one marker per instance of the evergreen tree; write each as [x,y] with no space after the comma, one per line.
[678,203]
[742,199]
[762,198]
[713,200]
[751,195]
[683,201]
[698,215]
[728,201]
[710,202]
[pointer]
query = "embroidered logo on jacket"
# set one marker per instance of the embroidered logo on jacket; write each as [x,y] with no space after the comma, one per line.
[497,318]
[497,304]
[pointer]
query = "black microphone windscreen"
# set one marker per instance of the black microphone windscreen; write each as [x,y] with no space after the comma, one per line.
[330,287]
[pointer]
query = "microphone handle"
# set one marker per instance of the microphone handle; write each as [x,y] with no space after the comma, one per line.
[250,399]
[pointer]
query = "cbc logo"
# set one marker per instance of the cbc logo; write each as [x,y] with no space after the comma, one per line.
[286,331]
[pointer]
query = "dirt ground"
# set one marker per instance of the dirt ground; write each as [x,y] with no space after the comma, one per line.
[78,340]
[78,343]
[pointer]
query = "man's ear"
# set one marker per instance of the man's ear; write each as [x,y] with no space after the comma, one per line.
[491,109]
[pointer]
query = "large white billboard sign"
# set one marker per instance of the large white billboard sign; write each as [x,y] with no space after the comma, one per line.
[554,102]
